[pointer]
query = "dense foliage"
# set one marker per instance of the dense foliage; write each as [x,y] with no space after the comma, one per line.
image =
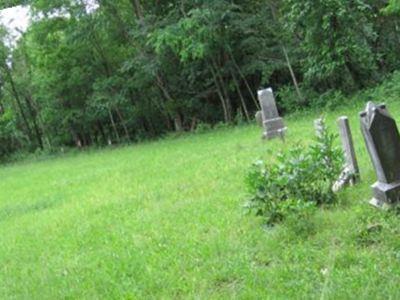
[297,181]
[11,3]
[127,70]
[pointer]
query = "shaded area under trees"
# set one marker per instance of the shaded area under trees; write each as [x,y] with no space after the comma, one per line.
[131,70]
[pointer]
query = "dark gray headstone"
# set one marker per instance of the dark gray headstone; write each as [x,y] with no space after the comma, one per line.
[273,124]
[382,140]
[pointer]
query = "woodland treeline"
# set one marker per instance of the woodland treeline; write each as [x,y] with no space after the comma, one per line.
[136,69]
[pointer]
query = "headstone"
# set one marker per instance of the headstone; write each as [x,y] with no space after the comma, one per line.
[382,140]
[350,174]
[348,146]
[259,118]
[273,124]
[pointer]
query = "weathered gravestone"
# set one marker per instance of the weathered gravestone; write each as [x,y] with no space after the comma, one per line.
[383,143]
[273,124]
[351,173]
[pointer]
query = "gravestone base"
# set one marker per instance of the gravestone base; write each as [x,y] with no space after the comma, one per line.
[274,134]
[386,195]
[274,128]
[346,178]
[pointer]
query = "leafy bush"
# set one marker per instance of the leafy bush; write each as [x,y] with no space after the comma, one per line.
[221,126]
[289,101]
[330,100]
[203,127]
[299,179]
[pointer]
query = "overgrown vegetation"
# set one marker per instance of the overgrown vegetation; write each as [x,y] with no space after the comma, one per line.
[130,70]
[297,181]
[165,220]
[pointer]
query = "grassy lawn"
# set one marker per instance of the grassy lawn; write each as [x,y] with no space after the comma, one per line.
[165,220]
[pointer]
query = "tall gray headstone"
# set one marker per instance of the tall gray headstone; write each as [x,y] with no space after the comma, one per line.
[382,140]
[272,123]
[350,174]
[348,146]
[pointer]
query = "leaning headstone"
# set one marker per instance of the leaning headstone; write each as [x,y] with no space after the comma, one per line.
[272,123]
[383,143]
[351,173]
[259,118]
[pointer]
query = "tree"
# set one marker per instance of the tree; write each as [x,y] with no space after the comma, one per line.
[130,69]
[393,7]
[10,3]
[335,37]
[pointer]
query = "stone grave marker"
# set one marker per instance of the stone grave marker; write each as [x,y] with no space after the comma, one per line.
[272,123]
[351,173]
[382,140]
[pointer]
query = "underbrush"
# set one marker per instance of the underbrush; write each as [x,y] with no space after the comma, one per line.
[330,100]
[297,182]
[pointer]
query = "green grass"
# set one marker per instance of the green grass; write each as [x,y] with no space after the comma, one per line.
[165,220]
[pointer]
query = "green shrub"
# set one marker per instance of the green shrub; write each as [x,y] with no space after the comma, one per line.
[289,101]
[221,126]
[298,179]
[203,127]
[330,100]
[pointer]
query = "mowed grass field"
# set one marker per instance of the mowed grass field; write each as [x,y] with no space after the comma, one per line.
[165,220]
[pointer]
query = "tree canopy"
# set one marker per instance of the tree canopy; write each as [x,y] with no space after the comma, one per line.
[12,3]
[123,71]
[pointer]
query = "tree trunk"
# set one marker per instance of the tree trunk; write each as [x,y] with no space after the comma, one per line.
[113,125]
[137,9]
[33,114]
[32,107]
[228,104]
[178,123]
[292,74]
[102,133]
[150,125]
[19,104]
[167,96]
[246,112]
[193,125]
[220,95]
[75,137]
[256,103]
[123,123]
[288,63]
